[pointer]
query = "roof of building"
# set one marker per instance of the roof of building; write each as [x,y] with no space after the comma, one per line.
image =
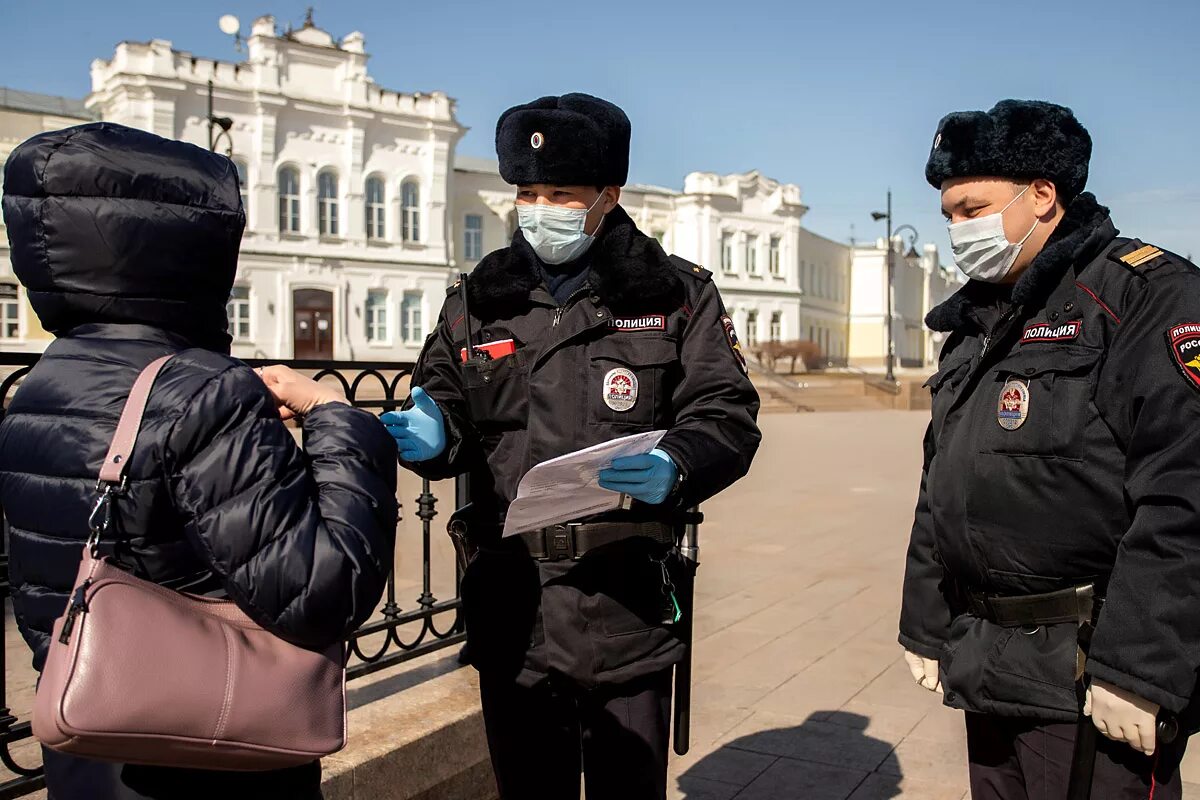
[649,188]
[35,103]
[472,164]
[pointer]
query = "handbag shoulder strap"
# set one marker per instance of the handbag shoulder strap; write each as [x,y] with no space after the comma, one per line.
[117,460]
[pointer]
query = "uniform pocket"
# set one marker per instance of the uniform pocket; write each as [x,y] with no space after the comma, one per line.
[1052,388]
[1011,671]
[629,381]
[498,392]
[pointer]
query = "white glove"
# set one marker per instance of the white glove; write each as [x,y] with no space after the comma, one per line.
[1122,716]
[924,671]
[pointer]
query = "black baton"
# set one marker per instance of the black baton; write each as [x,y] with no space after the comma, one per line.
[1083,762]
[689,549]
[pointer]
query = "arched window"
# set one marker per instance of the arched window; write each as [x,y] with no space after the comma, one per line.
[327,203]
[752,328]
[376,208]
[289,200]
[410,211]
[243,174]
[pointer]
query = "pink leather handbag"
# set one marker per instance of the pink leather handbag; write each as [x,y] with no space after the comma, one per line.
[138,673]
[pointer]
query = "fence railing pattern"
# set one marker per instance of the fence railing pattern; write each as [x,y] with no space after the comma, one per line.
[432,625]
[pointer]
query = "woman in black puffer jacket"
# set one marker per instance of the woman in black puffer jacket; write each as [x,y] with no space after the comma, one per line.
[127,244]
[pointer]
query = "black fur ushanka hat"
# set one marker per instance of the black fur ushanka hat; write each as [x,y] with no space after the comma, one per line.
[572,140]
[1019,139]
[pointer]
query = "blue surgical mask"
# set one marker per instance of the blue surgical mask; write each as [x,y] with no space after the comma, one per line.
[555,233]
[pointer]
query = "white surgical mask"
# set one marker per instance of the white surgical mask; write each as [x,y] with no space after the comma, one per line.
[555,233]
[981,249]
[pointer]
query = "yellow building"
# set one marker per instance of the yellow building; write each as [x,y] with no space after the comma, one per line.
[22,115]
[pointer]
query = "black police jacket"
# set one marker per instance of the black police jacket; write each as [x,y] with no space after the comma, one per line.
[598,620]
[1062,451]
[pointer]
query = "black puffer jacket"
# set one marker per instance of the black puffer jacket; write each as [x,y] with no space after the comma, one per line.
[128,245]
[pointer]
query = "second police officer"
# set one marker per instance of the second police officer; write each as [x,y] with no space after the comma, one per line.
[591,332]
[1054,566]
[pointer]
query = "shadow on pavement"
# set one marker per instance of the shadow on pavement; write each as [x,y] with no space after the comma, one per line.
[827,757]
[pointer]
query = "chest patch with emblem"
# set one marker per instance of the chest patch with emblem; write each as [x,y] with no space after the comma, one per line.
[620,389]
[650,322]
[1013,408]
[1052,331]
[1184,341]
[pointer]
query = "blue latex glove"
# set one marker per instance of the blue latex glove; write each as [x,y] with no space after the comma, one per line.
[649,478]
[420,432]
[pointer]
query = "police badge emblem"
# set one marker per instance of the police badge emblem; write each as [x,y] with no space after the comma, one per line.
[1013,409]
[1184,341]
[620,389]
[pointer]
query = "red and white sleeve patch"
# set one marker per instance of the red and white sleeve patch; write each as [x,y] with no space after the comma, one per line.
[1184,341]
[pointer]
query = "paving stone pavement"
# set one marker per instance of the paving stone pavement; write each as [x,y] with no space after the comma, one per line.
[801,689]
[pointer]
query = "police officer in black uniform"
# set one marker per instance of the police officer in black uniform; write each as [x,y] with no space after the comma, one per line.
[1054,565]
[583,331]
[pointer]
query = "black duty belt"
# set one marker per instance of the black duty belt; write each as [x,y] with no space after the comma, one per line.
[571,541]
[1067,605]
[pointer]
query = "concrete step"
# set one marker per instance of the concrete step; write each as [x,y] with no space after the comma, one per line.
[416,733]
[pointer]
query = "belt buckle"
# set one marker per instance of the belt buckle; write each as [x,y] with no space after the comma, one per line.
[560,542]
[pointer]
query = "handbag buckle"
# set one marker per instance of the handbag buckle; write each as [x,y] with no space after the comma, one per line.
[100,519]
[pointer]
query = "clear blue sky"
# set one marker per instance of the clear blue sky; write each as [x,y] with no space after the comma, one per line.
[840,97]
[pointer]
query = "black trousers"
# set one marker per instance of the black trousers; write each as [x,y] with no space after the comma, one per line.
[1015,759]
[72,778]
[541,738]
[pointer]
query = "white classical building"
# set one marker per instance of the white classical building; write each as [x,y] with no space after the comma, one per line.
[360,212]
[346,185]
[920,283]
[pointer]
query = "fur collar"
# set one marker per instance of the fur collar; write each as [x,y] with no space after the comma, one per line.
[630,273]
[1084,229]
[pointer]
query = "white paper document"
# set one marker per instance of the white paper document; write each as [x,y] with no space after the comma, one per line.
[567,488]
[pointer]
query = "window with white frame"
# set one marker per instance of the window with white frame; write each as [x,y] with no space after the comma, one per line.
[327,203]
[774,265]
[238,312]
[377,315]
[751,254]
[243,173]
[10,311]
[289,200]
[473,237]
[727,253]
[776,326]
[411,328]
[751,328]
[410,211]
[376,208]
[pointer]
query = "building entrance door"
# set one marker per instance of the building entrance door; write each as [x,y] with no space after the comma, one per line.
[312,324]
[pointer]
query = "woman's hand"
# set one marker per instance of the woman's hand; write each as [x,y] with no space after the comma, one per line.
[295,394]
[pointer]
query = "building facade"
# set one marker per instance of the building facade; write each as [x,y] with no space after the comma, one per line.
[346,185]
[920,283]
[360,212]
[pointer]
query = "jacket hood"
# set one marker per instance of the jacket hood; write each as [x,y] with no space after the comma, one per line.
[109,224]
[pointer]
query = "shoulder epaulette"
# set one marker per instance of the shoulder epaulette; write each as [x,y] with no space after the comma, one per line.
[696,271]
[1137,255]
[452,289]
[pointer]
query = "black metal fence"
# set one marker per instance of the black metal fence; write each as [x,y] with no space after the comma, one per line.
[395,637]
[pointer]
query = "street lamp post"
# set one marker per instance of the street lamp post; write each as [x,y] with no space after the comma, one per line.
[891,282]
